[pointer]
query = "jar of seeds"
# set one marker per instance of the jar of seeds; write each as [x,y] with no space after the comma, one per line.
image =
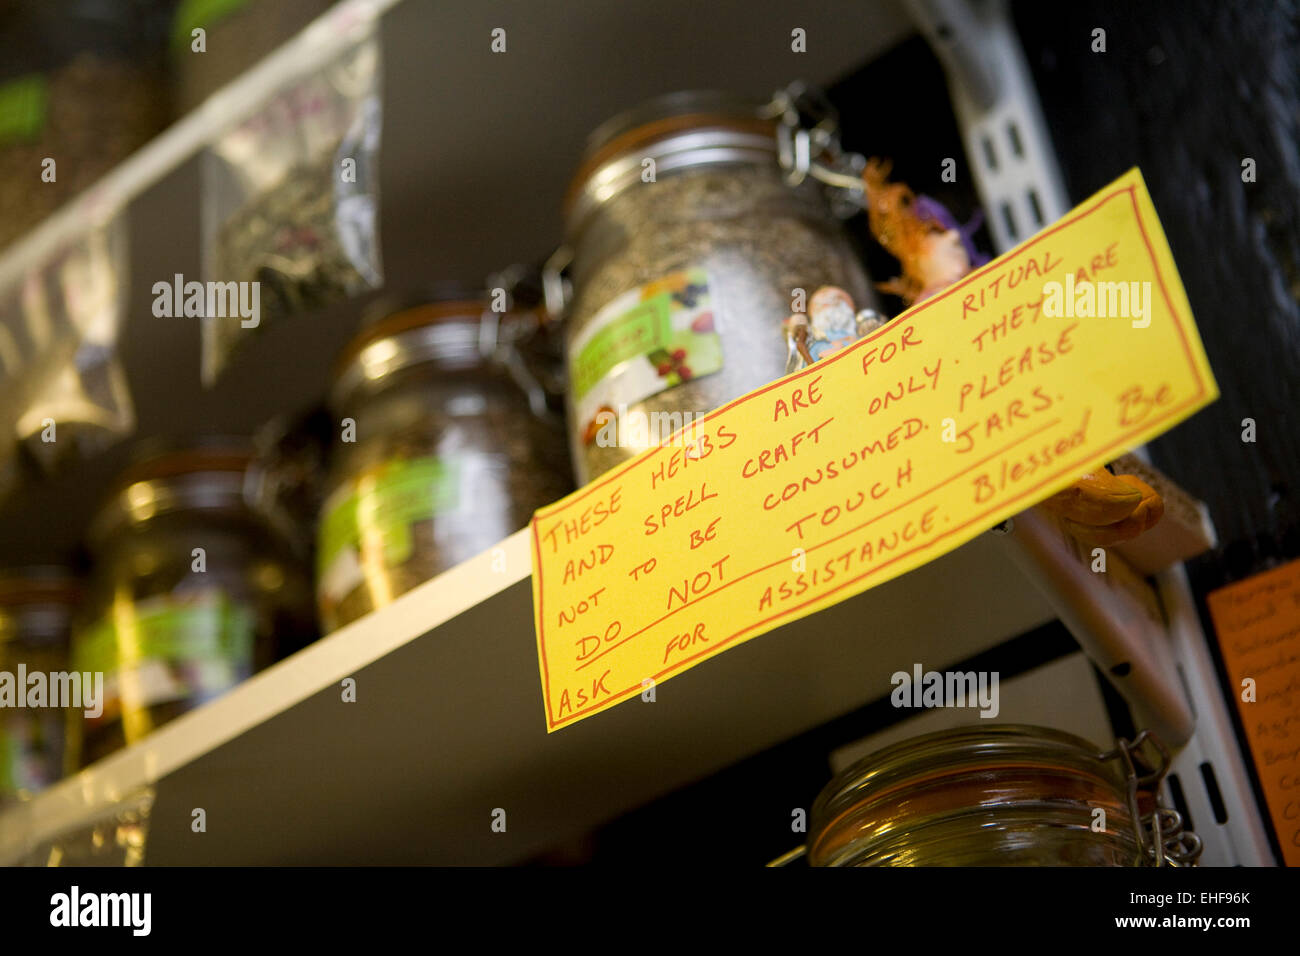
[446,447]
[689,249]
[195,586]
[36,608]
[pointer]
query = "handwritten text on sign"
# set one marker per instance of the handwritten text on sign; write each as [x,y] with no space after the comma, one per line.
[1258,623]
[964,410]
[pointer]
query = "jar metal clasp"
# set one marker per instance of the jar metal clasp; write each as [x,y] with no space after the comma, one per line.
[808,144]
[1160,834]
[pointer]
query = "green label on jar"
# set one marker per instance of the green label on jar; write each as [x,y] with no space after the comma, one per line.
[645,341]
[640,330]
[172,647]
[373,514]
[23,103]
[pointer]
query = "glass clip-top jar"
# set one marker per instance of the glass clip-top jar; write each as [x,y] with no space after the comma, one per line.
[196,584]
[1007,795]
[694,226]
[446,447]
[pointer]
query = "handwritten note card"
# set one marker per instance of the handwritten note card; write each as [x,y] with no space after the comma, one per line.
[1258,623]
[969,407]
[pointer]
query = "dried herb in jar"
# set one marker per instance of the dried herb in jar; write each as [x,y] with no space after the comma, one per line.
[681,284]
[443,453]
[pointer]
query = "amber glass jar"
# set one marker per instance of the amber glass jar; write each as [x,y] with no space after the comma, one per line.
[195,586]
[445,447]
[688,246]
[36,608]
[1005,795]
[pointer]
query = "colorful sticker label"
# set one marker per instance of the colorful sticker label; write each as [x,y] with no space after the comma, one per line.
[645,341]
[369,520]
[174,647]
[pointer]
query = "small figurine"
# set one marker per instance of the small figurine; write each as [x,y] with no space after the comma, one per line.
[830,325]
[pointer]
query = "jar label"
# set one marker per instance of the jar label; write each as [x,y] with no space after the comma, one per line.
[368,520]
[647,340]
[174,647]
[23,105]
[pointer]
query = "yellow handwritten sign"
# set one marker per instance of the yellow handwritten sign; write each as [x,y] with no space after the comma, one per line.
[1258,623]
[969,407]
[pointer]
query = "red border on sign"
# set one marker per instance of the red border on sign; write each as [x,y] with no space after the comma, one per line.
[893,326]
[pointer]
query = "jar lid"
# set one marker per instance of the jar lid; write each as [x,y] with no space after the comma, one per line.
[966,787]
[448,325]
[208,473]
[678,131]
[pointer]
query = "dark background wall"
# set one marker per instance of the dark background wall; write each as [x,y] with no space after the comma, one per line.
[1187,91]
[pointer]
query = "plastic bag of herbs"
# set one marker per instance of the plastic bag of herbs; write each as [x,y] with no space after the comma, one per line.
[290,194]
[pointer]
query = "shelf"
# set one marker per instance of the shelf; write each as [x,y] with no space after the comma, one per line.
[448,724]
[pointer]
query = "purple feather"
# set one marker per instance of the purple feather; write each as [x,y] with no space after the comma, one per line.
[933,210]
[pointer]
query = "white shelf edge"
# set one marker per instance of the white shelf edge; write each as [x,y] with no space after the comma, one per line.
[74,800]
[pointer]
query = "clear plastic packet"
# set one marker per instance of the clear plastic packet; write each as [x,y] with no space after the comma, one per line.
[290,197]
[62,388]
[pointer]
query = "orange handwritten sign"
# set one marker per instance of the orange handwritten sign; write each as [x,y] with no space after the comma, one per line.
[964,410]
[1258,623]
